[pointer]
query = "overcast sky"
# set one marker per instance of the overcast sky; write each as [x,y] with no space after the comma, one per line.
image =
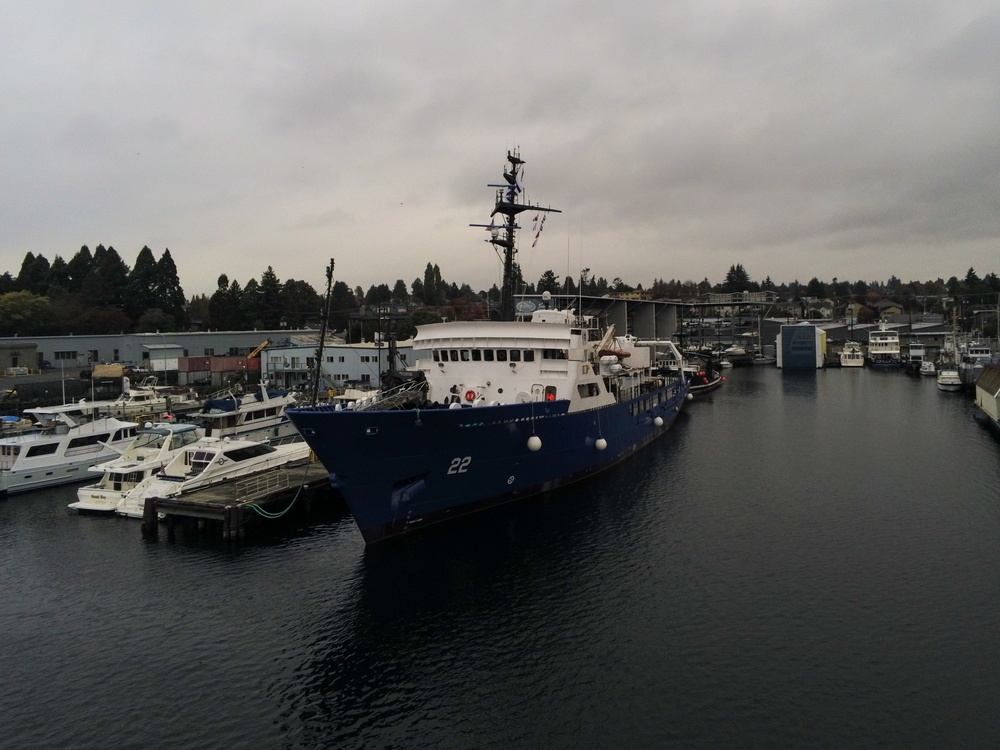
[833,138]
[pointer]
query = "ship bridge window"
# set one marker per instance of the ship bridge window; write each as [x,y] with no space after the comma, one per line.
[515,355]
[10,450]
[501,355]
[477,355]
[437,355]
[487,355]
[41,450]
[453,355]
[529,355]
[586,390]
[465,355]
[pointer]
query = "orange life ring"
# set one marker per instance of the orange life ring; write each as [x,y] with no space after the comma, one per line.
[470,395]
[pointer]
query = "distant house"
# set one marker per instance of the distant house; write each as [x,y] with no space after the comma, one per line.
[886,307]
[820,308]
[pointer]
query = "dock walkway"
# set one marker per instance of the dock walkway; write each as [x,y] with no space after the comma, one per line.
[234,505]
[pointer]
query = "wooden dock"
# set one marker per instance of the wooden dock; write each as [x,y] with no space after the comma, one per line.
[234,505]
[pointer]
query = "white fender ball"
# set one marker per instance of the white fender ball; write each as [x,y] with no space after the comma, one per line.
[600,444]
[534,443]
[658,421]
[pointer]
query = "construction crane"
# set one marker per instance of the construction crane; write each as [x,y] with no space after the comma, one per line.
[259,349]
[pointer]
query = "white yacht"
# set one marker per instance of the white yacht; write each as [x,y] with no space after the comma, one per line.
[851,355]
[62,444]
[211,461]
[150,399]
[153,447]
[883,347]
[927,367]
[257,415]
[948,378]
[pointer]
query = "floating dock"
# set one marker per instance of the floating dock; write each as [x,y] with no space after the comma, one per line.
[234,505]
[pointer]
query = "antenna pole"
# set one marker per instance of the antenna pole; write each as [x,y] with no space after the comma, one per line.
[322,333]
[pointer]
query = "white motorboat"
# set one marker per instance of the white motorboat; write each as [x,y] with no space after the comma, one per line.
[948,378]
[257,415]
[927,367]
[154,446]
[150,399]
[62,444]
[211,461]
[851,355]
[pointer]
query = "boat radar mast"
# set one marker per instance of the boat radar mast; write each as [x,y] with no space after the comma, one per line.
[509,204]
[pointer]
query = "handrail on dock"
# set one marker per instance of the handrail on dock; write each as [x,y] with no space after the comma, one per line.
[261,485]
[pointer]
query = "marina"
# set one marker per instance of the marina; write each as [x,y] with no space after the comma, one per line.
[791,605]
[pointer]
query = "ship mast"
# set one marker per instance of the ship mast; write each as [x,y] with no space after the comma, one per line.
[509,204]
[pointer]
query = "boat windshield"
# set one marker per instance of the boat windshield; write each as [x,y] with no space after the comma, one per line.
[249,451]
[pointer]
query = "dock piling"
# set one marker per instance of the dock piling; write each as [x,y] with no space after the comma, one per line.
[150,526]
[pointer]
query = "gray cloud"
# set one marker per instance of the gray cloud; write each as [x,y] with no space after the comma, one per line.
[844,139]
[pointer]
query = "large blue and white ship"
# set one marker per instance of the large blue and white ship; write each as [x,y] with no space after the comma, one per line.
[493,410]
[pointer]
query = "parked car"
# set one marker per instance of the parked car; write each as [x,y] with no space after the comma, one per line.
[45,364]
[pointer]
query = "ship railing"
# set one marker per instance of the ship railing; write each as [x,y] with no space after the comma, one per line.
[394,398]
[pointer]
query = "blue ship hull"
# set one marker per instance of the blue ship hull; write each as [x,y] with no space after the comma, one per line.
[401,470]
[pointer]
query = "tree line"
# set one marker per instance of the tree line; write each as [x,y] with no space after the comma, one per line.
[98,293]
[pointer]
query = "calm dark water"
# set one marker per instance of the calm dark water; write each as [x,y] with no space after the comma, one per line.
[807,560]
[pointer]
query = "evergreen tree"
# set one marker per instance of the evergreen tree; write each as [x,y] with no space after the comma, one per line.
[224,306]
[167,293]
[342,304]
[79,268]
[399,292]
[548,282]
[104,286]
[431,286]
[417,290]
[737,279]
[34,274]
[250,312]
[300,304]
[270,299]
[58,274]
[140,289]
[378,295]
[197,312]
[815,288]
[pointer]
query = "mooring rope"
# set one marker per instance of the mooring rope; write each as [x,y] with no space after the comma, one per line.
[269,514]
